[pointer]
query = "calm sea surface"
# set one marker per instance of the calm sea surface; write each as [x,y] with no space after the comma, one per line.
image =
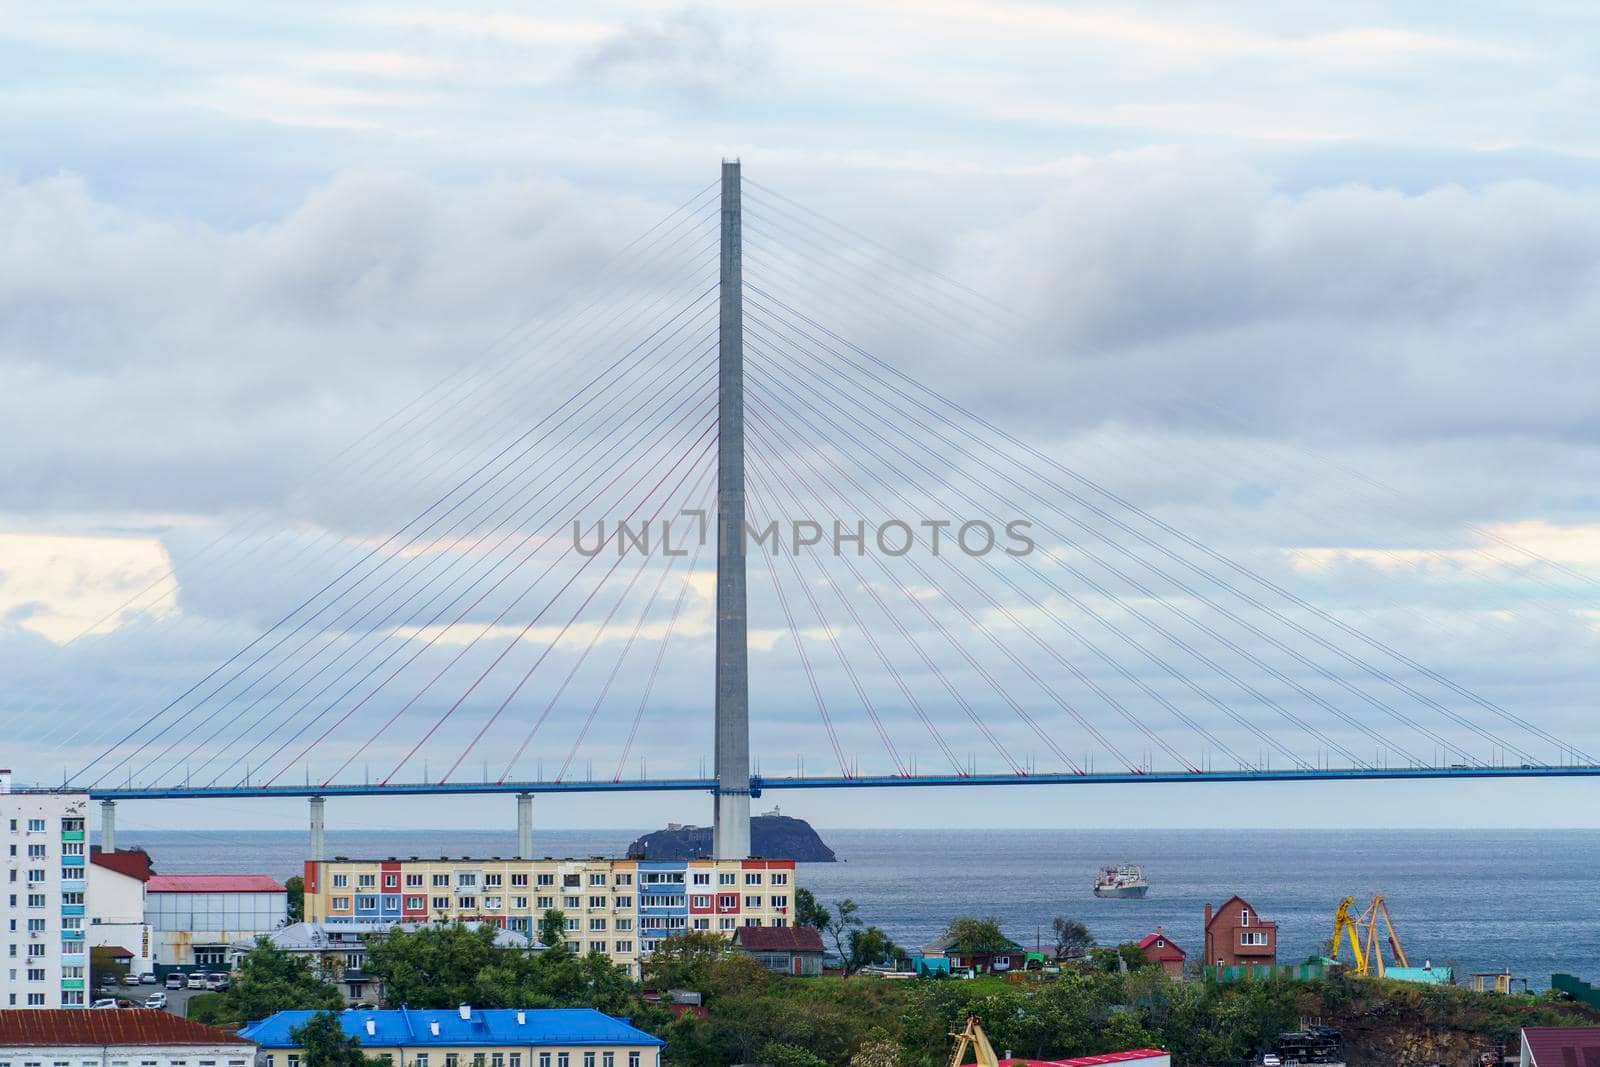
[1477,900]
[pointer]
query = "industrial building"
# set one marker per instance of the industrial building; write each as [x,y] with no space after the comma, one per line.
[42,913]
[140,1036]
[620,908]
[491,1037]
[198,918]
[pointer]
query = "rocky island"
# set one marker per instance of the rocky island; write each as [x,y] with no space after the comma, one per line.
[772,836]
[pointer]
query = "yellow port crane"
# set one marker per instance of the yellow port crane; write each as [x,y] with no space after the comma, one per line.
[972,1034]
[1362,933]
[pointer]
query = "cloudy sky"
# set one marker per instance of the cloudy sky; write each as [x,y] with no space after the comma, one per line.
[1277,323]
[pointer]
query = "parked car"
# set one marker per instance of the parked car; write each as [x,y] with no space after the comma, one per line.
[156,1000]
[148,978]
[216,982]
[106,1002]
[197,980]
[130,979]
[176,980]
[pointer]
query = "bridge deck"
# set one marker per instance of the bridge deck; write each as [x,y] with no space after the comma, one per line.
[760,784]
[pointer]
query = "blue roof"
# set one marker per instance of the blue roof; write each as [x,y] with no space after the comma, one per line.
[487,1026]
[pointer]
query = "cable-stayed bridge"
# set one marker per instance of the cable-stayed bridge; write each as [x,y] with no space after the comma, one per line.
[717,425]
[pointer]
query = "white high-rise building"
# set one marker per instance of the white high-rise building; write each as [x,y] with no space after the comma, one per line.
[43,959]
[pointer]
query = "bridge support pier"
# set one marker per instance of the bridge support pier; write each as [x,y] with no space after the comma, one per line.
[318,850]
[524,826]
[108,826]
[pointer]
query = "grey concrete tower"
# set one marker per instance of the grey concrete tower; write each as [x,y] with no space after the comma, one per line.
[730,836]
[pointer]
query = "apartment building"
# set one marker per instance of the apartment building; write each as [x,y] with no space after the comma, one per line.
[620,908]
[43,959]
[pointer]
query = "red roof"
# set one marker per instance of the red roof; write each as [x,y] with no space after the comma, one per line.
[43,1027]
[1563,1046]
[778,938]
[1131,1056]
[213,883]
[133,862]
[1169,951]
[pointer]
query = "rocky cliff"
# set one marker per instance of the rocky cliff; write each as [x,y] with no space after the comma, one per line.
[775,837]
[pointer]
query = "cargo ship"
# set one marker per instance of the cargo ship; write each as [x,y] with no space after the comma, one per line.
[1123,880]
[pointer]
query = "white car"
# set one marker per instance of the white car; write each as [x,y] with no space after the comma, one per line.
[108,1002]
[156,1000]
[1270,1059]
[197,980]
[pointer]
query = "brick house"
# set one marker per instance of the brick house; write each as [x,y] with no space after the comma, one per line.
[1236,935]
[793,950]
[1159,950]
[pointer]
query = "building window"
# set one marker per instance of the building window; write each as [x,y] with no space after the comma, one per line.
[701,878]
[727,878]
[414,881]
[1252,937]
[702,924]
[588,1059]
[35,825]
[340,881]
[498,1059]
[416,903]
[366,881]
[466,878]
[492,903]
[366,903]
[546,903]
[519,903]
[547,879]
[779,878]
[391,881]
[597,925]
[1244,917]
[633,1059]
[727,922]
[780,902]
[491,880]
[752,878]
[608,1059]
[624,924]
[441,903]
[440,880]
[516,880]
[451,1059]
[466,902]
[544,1059]
[624,902]
[752,902]
[624,946]
[624,879]
[340,904]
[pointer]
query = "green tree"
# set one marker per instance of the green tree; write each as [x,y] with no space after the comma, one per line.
[807,912]
[684,961]
[296,886]
[269,980]
[1072,938]
[870,946]
[552,928]
[436,966]
[846,916]
[969,935]
[327,1045]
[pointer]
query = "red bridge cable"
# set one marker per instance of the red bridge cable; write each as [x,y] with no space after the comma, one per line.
[432,640]
[616,667]
[371,553]
[506,530]
[706,451]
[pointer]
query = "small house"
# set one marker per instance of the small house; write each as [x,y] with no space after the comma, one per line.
[792,950]
[1160,950]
